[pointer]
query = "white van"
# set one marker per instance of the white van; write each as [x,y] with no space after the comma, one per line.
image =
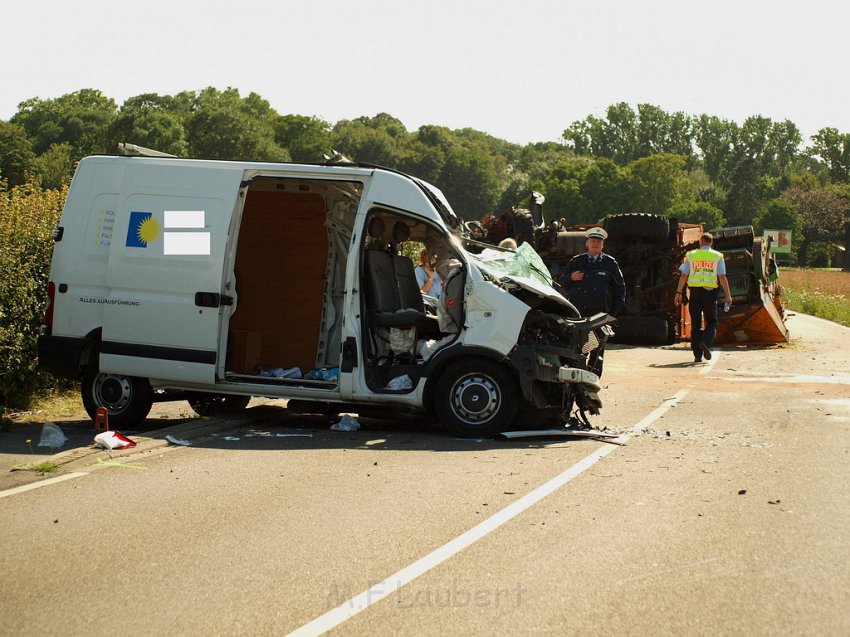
[217,281]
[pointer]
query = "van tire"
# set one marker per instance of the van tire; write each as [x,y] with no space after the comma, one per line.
[206,404]
[461,387]
[127,399]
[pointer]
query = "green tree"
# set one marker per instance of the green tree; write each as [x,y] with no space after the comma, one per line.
[471,180]
[744,197]
[697,212]
[306,138]
[378,140]
[658,182]
[705,189]
[427,151]
[605,189]
[80,119]
[562,189]
[614,137]
[584,191]
[833,149]
[626,135]
[661,132]
[152,121]
[16,156]
[54,166]
[225,126]
[716,140]
[823,212]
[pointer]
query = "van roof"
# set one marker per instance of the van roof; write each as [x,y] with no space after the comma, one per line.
[433,194]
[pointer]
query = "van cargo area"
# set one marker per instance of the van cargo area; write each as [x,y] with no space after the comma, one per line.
[293,237]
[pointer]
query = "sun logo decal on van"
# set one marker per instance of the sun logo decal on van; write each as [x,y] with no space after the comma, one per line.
[143,230]
[148,230]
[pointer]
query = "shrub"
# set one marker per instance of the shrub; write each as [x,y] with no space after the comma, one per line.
[28,215]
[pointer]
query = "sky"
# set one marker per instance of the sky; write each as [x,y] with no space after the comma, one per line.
[521,70]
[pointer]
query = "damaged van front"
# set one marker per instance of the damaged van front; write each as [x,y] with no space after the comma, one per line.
[512,308]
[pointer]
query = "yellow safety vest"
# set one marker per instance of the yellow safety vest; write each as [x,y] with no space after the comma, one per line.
[704,263]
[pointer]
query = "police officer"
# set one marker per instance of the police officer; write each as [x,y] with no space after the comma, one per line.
[594,283]
[702,270]
[592,280]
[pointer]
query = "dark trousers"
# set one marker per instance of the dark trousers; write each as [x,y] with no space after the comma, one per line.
[702,302]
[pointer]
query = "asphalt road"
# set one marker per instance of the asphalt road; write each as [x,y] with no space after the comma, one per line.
[723,510]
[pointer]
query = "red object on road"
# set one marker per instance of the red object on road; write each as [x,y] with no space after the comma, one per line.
[101,419]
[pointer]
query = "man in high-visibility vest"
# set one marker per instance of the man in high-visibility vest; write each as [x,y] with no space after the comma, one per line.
[702,270]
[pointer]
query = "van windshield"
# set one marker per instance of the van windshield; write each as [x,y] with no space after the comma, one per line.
[525,261]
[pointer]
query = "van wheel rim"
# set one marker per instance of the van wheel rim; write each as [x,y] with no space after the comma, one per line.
[113,392]
[475,398]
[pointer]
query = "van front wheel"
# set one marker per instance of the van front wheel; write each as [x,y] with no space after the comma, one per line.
[476,397]
[127,399]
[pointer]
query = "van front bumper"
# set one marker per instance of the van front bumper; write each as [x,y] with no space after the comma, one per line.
[580,376]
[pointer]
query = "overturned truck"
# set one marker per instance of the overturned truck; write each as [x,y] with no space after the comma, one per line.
[650,248]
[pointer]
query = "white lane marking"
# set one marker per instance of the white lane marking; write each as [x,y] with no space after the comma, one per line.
[710,364]
[42,483]
[394,582]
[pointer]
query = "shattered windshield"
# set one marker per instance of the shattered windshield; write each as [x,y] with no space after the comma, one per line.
[525,262]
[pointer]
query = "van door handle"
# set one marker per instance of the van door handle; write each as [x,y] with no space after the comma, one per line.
[212,299]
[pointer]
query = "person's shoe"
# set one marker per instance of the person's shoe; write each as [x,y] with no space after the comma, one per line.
[697,358]
[706,351]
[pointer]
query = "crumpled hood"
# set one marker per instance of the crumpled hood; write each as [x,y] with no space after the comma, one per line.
[533,285]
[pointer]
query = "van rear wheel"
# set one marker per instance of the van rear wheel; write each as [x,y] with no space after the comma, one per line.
[476,397]
[218,404]
[127,399]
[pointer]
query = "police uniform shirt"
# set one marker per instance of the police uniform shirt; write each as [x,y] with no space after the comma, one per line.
[601,290]
[685,268]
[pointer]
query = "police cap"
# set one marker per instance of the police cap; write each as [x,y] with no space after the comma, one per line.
[596,233]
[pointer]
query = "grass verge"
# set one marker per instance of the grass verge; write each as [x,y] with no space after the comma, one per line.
[56,406]
[39,467]
[821,293]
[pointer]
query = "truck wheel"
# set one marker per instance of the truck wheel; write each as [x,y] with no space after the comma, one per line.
[637,225]
[206,404]
[127,399]
[475,397]
[640,329]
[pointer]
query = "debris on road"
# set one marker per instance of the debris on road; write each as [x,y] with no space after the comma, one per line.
[52,436]
[177,441]
[346,423]
[113,440]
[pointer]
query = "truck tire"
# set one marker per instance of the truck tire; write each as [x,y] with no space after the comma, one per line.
[476,397]
[637,225]
[206,404]
[641,329]
[127,399]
